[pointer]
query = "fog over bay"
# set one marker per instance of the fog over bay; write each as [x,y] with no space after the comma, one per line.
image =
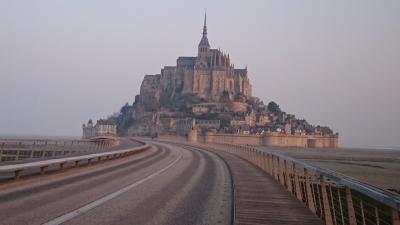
[334,63]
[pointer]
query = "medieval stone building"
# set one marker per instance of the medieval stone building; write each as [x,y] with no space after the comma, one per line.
[101,129]
[208,75]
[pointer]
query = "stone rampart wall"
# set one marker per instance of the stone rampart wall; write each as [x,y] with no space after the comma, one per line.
[272,140]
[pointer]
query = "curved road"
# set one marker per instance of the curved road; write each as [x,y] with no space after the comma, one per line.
[165,185]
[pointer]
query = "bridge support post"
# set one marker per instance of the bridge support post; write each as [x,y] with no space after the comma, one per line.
[350,207]
[325,201]
[310,197]
[395,217]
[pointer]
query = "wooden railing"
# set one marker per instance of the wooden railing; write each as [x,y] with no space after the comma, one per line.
[13,150]
[335,198]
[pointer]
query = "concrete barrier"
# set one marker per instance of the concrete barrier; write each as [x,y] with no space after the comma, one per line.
[44,164]
[14,149]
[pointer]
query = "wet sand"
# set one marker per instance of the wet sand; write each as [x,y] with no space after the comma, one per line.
[378,167]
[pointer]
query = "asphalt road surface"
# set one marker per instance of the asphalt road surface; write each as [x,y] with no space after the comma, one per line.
[165,185]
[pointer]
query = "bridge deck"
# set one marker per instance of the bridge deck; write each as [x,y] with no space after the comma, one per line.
[261,200]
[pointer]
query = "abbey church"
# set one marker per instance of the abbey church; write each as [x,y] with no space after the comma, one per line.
[208,75]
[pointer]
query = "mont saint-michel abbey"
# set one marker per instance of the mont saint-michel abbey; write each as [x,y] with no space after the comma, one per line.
[207,75]
[204,98]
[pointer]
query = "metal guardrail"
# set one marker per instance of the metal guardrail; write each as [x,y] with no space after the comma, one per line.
[335,198]
[44,164]
[13,150]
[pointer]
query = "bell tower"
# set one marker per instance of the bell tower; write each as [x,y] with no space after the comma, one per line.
[204,45]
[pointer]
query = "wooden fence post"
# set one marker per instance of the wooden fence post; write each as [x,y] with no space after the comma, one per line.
[287,177]
[297,183]
[333,204]
[325,200]
[340,206]
[350,207]
[33,149]
[278,170]
[270,168]
[395,217]
[18,150]
[1,151]
[310,197]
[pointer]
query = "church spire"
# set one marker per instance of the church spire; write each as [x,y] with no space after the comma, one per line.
[205,23]
[204,39]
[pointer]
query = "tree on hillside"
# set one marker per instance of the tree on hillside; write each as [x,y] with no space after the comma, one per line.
[125,108]
[274,108]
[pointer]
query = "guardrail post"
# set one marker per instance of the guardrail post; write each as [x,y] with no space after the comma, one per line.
[362,211]
[261,160]
[287,177]
[1,151]
[310,197]
[395,217]
[265,164]
[350,207]
[42,169]
[340,206]
[297,183]
[17,174]
[269,164]
[280,168]
[273,167]
[33,149]
[277,169]
[255,157]
[325,200]
[333,204]
[18,151]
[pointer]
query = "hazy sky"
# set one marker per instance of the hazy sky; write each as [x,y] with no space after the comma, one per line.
[334,63]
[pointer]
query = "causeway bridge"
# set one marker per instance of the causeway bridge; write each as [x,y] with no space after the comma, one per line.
[144,181]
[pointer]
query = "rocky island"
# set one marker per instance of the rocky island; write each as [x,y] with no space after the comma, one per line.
[207,97]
